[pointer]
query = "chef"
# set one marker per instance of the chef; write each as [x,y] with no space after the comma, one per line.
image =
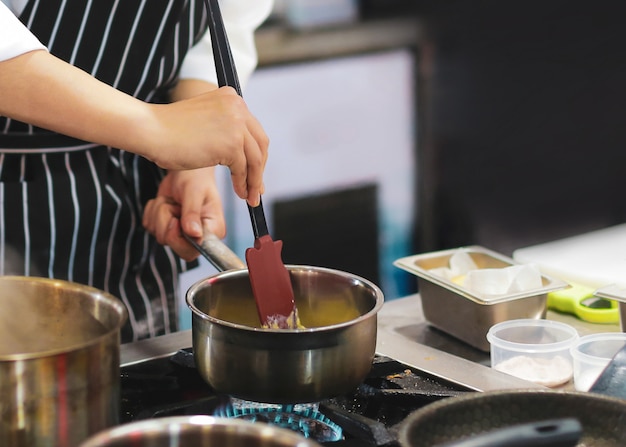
[111,125]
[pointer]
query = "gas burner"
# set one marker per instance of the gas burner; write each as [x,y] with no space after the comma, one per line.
[369,416]
[303,418]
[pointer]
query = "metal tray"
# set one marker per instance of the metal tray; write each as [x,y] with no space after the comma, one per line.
[617,293]
[463,313]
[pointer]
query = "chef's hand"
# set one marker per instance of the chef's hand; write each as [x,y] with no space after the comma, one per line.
[185,200]
[205,129]
[210,129]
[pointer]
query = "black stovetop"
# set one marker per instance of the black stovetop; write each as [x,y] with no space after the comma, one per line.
[369,415]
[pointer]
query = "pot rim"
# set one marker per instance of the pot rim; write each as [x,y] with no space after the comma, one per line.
[95,293]
[176,424]
[189,297]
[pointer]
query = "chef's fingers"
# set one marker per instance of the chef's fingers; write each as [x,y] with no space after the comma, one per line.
[161,219]
[259,135]
[158,216]
[256,168]
[151,212]
[190,217]
[207,130]
[241,174]
[202,209]
[176,241]
[247,177]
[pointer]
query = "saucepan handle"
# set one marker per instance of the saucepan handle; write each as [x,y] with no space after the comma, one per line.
[216,252]
[565,432]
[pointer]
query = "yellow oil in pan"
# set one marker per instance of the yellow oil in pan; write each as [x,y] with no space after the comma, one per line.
[312,313]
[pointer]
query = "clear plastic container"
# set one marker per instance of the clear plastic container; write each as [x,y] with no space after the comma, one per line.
[533,350]
[591,354]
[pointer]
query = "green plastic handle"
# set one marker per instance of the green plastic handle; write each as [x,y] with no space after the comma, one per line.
[571,301]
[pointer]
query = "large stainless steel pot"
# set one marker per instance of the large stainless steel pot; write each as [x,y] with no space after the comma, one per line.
[198,431]
[59,361]
[330,357]
[450,420]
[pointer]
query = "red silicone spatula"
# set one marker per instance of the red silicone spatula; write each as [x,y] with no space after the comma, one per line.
[271,284]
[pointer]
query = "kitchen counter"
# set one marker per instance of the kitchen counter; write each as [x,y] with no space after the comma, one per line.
[280,44]
[407,318]
[403,335]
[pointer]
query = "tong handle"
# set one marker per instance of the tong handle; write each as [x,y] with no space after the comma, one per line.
[257,217]
[227,76]
[224,62]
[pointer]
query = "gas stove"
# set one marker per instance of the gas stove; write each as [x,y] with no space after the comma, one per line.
[414,366]
[367,416]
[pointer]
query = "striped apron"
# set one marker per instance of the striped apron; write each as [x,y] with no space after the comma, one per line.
[72,210]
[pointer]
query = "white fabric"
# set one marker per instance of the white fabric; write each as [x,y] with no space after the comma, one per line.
[15,38]
[241,18]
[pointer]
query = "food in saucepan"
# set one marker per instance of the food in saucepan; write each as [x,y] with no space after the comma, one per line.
[291,321]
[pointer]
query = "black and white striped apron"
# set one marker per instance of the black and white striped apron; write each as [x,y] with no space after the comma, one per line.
[72,210]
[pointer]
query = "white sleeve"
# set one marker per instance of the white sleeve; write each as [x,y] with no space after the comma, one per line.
[241,19]
[15,38]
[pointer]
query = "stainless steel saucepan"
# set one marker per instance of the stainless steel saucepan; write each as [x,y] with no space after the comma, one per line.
[331,355]
[59,361]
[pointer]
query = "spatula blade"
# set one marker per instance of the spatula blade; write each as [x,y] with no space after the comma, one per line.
[271,284]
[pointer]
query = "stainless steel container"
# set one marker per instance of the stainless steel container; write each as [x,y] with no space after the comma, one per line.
[59,361]
[617,293]
[330,356]
[197,431]
[465,314]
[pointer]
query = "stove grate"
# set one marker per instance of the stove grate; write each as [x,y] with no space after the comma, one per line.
[367,417]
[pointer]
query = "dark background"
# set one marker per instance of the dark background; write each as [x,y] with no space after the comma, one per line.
[520,126]
[521,121]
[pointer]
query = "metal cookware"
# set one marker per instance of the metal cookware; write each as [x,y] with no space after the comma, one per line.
[59,361]
[331,356]
[602,418]
[197,431]
[474,312]
[617,293]
[564,432]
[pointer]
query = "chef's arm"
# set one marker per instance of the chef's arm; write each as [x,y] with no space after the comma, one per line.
[38,88]
[188,88]
[210,129]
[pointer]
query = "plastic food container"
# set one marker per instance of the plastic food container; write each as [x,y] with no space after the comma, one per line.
[591,354]
[533,350]
[463,313]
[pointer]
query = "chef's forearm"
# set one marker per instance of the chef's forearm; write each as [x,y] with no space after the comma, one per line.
[206,130]
[188,88]
[42,90]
